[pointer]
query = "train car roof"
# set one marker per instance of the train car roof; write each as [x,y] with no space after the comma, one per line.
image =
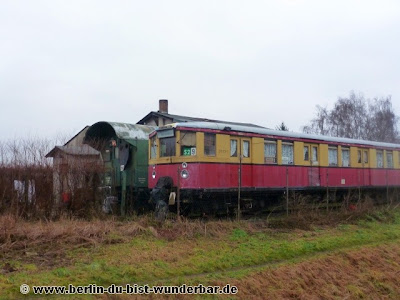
[121,130]
[276,133]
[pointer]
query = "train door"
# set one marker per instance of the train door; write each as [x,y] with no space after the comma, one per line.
[245,173]
[311,159]
[244,153]
[366,181]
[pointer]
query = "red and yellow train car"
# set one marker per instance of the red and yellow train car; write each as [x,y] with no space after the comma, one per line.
[209,162]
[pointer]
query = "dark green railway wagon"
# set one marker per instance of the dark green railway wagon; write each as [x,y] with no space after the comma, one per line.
[124,151]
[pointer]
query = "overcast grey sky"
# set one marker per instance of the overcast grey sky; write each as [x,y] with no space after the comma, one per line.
[67,64]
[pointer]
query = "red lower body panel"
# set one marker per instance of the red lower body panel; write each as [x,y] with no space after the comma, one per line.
[226,176]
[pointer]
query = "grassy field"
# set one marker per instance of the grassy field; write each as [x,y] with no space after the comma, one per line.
[331,256]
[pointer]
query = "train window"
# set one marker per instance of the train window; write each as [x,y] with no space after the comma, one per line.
[345,157]
[165,133]
[188,143]
[379,159]
[306,153]
[209,144]
[365,156]
[359,156]
[153,148]
[107,179]
[246,148]
[167,146]
[333,156]
[314,154]
[233,148]
[106,155]
[124,153]
[287,153]
[389,159]
[270,152]
[116,152]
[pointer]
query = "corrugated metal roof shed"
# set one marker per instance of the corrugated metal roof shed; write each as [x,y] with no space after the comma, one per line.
[84,150]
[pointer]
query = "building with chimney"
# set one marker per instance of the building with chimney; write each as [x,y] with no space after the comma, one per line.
[163,117]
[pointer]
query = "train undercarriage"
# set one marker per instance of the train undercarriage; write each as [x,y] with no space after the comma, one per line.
[222,202]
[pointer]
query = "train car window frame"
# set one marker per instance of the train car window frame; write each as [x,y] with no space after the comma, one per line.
[106,155]
[306,153]
[187,143]
[268,158]
[153,148]
[210,144]
[288,148]
[365,156]
[233,146]
[314,154]
[359,156]
[389,162]
[379,159]
[346,164]
[165,133]
[167,146]
[116,152]
[333,156]
[246,151]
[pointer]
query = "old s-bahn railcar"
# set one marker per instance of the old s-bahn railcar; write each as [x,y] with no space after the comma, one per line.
[208,163]
[124,151]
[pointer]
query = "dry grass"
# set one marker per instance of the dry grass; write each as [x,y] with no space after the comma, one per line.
[18,233]
[369,273]
[145,251]
[306,217]
[365,273]
[45,243]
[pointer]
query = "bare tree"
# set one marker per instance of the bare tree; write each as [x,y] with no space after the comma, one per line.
[382,123]
[319,125]
[358,118]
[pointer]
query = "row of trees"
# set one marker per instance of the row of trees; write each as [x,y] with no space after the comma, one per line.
[359,118]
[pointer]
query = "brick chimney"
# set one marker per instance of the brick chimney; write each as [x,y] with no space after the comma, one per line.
[163,106]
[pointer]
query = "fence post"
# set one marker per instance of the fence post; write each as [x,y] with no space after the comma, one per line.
[287,191]
[327,190]
[178,196]
[123,196]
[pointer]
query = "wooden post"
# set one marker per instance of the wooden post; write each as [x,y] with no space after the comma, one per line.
[287,191]
[240,178]
[327,189]
[387,187]
[178,196]
[359,188]
[123,196]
